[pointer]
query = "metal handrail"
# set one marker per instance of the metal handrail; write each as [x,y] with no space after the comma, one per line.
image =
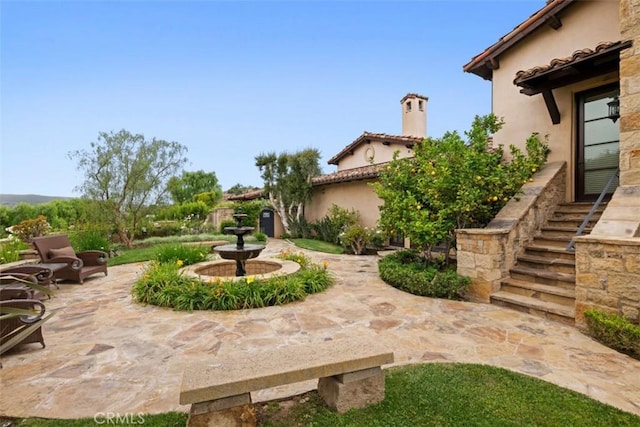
[595,206]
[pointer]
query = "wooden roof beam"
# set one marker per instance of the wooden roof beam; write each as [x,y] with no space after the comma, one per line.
[552,107]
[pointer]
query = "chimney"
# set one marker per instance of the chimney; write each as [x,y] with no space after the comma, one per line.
[414,115]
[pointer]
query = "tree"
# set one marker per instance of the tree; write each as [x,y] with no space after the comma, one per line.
[287,181]
[451,183]
[186,187]
[129,174]
[241,189]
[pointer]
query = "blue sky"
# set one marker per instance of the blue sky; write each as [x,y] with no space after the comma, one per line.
[233,79]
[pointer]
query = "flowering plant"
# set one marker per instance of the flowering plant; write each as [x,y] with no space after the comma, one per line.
[30,228]
[357,238]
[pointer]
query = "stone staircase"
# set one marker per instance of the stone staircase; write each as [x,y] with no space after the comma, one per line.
[543,280]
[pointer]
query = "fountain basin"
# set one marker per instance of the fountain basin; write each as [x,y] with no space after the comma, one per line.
[262,268]
[238,254]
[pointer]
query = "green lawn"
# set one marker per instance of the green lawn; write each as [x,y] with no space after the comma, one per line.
[458,395]
[435,394]
[318,246]
[169,419]
[147,248]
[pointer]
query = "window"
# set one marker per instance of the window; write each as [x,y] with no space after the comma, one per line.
[408,106]
[421,105]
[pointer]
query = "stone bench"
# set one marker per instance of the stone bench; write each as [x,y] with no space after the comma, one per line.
[349,373]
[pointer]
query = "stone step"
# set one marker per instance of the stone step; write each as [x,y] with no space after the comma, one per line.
[556,265]
[579,207]
[548,251]
[574,216]
[536,275]
[553,241]
[549,310]
[564,232]
[547,293]
[569,223]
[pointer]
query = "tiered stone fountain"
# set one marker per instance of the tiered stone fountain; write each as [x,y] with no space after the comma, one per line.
[239,252]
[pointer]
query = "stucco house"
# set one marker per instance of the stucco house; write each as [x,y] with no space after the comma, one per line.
[570,72]
[359,163]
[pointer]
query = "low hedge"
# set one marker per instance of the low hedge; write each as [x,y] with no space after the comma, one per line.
[614,331]
[164,285]
[409,271]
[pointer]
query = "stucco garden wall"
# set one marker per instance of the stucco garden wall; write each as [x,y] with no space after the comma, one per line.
[486,254]
[357,195]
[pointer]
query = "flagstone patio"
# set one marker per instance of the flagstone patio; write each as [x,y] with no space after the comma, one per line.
[106,353]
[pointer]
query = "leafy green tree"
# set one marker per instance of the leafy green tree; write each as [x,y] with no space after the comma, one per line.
[451,183]
[287,181]
[129,174]
[187,186]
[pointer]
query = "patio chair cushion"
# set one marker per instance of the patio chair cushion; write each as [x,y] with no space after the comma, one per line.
[67,251]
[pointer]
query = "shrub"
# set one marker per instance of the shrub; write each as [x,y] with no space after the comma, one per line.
[226,223]
[180,254]
[29,228]
[409,271]
[90,239]
[614,331]
[452,183]
[162,229]
[357,238]
[164,285]
[338,219]
[10,249]
[260,237]
[252,209]
[300,228]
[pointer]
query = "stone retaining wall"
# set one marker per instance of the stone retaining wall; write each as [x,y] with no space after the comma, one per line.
[607,272]
[486,254]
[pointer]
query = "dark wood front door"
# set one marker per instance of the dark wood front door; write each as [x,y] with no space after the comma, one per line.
[267,222]
[598,148]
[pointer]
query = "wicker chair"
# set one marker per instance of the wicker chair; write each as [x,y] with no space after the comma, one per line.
[57,249]
[15,285]
[10,327]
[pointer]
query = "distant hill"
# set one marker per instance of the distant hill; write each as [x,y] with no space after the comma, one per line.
[32,199]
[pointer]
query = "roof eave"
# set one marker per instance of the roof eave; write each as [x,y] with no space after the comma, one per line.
[484,63]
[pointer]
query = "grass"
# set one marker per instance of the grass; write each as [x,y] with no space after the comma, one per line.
[146,249]
[458,395]
[318,246]
[169,419]
[434,394]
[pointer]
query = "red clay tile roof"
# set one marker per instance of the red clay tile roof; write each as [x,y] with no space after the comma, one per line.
[558,63]
[484,63]
[355,174]
[250,195]
[368,136]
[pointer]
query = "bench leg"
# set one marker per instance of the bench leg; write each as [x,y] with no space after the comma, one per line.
[234,411]
[352,390]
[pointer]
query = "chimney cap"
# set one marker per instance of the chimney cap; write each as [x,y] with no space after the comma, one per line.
[413,95]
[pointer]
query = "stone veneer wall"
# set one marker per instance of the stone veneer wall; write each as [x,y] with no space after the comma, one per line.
[608,260]
[486,254]
[608,277]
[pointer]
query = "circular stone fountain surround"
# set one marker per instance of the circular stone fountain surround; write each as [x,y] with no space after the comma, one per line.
[261,269]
